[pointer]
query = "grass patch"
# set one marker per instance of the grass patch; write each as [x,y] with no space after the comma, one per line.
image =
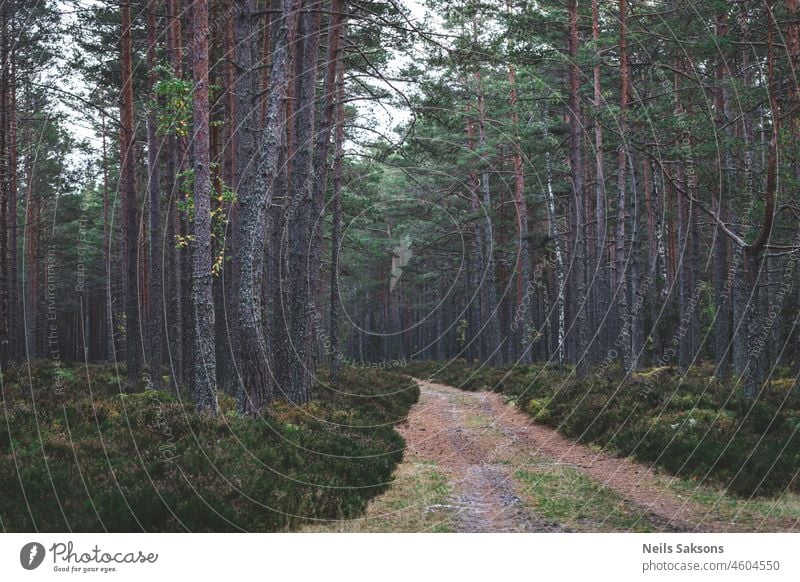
[77,452]
[417,501]
[746,512]
[571,498]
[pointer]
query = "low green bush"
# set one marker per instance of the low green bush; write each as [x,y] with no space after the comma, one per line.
[93,459]
[691,425]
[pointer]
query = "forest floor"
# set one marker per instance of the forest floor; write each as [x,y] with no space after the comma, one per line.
[475,464]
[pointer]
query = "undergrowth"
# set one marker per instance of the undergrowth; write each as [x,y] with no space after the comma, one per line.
[78,454]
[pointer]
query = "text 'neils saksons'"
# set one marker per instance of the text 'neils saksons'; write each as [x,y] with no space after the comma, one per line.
[664,548]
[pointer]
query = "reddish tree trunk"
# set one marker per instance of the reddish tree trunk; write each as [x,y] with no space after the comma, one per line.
[336,230]
[154,145]
[133,340]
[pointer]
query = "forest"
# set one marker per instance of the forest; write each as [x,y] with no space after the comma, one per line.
[240,239]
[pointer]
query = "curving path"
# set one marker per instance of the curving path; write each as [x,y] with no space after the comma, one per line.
[475,464]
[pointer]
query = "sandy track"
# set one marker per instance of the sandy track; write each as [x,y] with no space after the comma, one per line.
[440,429]
[478,441]
[475,464]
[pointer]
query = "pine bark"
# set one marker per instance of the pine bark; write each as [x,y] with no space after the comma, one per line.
[720,205]
[253,204]
[251,347]
[336,229]
[133,339]
[601,282]
[205,375]
[578,202]
[302,206]
[477,299]
[327,121]
[154,146]
[753,253]
[491,313]
[623,315]
[523,346]
[175,163]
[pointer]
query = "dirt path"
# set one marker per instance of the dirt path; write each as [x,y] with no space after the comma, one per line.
[475,464]
[450,428]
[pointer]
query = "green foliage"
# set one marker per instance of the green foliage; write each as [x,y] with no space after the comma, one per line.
[561,494]
[222,199]
[173,105]
[88,458]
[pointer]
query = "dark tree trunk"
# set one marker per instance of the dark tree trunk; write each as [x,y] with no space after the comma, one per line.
[301,217]
[635,282]
[752,253]
[328,115]
[255,373]
[13,185]
[623,315]
[154,145]
[477,269]
[205,374]
[133,340]
[576,179]
[601,282]
[336,230]
[524,348]
[720,205]
[491,323]
[175,257]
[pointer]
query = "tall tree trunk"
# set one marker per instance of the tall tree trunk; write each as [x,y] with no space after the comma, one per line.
[253,204]
[226,285]
[6,242]
[720,204]
[107,272]
[576,179]
[253,372]
[656,254]
[13,184]
[601,288]
[623,315]
[154,144]
[175,257]
[634,283]
[133,343]
[491,312]
[31,266]
[521,342]
[267,37]
[336,230]
[205,374]
[477,303]
[560,277]
[752,253]
[301,210]
[5,211]
[327,121]
[685,313]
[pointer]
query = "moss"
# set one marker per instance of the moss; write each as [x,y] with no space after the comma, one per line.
[94,459]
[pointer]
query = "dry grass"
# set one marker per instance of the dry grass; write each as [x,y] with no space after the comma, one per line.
[417,501]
